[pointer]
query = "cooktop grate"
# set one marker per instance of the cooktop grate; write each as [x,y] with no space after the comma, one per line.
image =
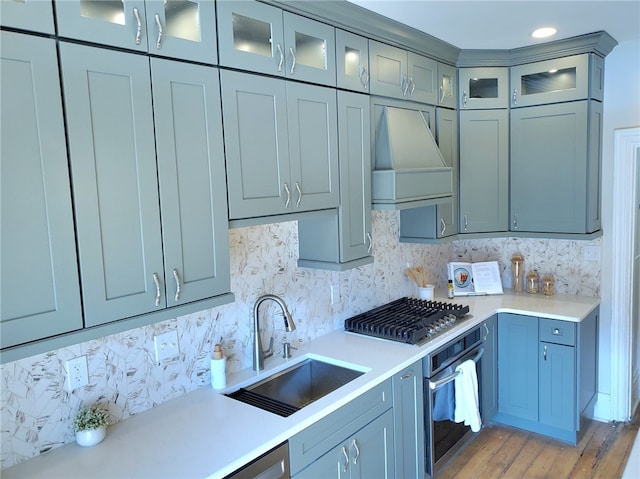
[407,320]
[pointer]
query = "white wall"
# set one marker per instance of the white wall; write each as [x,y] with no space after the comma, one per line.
[622,110]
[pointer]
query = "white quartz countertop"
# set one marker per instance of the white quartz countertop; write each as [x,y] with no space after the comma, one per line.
[206,434]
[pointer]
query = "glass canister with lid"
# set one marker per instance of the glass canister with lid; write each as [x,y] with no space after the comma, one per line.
[532,282]
[517,273]
[548,285]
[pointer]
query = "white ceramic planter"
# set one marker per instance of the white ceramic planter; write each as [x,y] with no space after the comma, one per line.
[91,437]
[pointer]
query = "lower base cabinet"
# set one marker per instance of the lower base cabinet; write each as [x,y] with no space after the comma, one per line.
[365,455]
[356,441]
[547,374]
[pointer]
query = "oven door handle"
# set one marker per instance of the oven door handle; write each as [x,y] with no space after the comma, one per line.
[433,385]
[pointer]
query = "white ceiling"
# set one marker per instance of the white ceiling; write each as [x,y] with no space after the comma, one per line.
[507,24]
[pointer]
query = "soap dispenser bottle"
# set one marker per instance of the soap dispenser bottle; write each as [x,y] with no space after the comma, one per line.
[218,369]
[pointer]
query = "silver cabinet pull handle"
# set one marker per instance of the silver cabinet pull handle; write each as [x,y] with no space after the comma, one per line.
[441,94]
[370,243]
[515,96]
[464,99]
[364,77]
[404,85]
[293,58]
[286,188]
[515,221]
[156,280]
[486,331]
[281,57]
[444,226]
[545,353]
[139,32]
[299,194]
[466,222]
[354,443]
[407,375]
[160,32]
[413,86]
[178,285]
[345,466]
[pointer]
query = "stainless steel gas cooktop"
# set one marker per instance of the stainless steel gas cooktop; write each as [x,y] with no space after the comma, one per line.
[408,320]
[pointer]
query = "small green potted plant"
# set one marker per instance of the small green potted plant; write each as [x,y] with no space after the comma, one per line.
[90,425]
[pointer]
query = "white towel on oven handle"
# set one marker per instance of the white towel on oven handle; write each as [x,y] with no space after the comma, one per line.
[466,394]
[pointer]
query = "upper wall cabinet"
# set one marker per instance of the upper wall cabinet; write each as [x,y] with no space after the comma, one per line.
[484,88]
[39,292]
[281,142]
[33,15]
[261,38]
[182,29]
[577,77]
[152,230]
[398,73]
[447,94]
[352,61]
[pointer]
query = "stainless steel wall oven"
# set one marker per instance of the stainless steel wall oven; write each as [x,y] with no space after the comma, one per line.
[443,436]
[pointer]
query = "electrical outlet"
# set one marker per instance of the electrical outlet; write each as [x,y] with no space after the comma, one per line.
[334,290]
[77,373]
[166,346]
[591,253]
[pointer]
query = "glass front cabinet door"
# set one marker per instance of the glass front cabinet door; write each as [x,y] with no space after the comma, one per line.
[564,79]
[182,29]
[261,38]
[352,57]
[484,88]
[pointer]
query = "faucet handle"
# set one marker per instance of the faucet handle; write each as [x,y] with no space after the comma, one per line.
[269,352]
[286,350]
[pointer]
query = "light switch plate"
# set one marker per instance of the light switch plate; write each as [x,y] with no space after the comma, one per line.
[166,346]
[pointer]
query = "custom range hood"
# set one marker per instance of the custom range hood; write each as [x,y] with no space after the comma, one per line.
[409,170]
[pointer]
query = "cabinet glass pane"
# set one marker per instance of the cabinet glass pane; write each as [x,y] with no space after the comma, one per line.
[483,88]
[447,87]
[549,81]
[111,11]
[251,35]
[183,19]
[351,61]
[311,51]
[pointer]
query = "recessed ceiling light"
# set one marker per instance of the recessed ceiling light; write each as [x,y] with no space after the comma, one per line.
[544,32]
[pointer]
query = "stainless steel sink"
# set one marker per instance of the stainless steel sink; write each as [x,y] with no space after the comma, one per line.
[288,391]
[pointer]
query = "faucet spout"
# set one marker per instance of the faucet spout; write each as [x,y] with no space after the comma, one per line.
[259,354]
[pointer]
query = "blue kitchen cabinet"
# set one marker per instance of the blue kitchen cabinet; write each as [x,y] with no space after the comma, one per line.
[39,292]
[547,374]
[555,167]
[281,146]
[32,15]
[262,38]
[489,369]
[408,420]
[484,88]
[484,171]
[518,366]
[126,268]
[401,74]
[343,240]
[192,180]
[559,80]
[184,29]
[356,440]
[447,90]
[352,61]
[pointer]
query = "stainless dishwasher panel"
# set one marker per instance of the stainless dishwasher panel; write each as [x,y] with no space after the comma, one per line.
[271,465]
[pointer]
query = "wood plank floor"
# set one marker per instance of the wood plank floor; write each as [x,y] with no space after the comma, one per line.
[505,452]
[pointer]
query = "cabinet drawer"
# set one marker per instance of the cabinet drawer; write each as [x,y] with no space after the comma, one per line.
[313,442]
[556,331]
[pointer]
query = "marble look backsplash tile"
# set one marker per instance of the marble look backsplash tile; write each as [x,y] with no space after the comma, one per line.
[36,411]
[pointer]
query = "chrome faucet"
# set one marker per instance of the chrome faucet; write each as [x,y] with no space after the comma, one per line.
[259,354]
